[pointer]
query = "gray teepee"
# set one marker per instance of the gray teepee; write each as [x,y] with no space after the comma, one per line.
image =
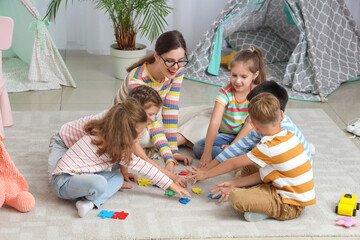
[310,47]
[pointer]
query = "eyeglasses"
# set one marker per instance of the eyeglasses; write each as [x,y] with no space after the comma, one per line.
[170,63]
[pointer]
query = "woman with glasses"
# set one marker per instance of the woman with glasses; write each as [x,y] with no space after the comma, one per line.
[163,70]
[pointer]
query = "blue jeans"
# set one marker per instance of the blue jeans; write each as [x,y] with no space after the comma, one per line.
[221,139]
[97,187]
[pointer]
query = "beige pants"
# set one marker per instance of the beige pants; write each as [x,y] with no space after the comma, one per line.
[262,198]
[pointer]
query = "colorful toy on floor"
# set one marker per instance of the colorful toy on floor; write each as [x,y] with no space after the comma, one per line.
[184,200]
[144,182]
[346,222]
[13,186]
[169,192]
[196,190]
[217,197]
[184,173]
[112,214]
[348,205]
[226,60]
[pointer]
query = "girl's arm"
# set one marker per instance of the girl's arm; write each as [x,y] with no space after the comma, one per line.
[211,134]
[139,151]
[224,167]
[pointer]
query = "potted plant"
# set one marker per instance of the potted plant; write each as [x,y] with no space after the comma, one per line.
[129,17]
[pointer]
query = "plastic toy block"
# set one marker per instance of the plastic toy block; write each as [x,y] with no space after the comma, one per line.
[144,182]
[169,193]
[120,215]
[154,185]
[184,200]
[106,214]
[183,173]
[346,222]
[196,190]
[217,197]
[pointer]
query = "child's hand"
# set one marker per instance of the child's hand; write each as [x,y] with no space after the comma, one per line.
[223,147]
[204,160]
[130,177]
[125,186]
[180,181]
[196,174]
[224,189]
[182,158]
[179,190]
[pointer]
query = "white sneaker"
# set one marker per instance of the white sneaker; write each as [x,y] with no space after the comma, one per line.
[355,125]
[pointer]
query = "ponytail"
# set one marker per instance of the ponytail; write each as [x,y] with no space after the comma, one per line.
[147,59]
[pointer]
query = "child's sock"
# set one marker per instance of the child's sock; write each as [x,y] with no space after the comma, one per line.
[83,207]
[254,216]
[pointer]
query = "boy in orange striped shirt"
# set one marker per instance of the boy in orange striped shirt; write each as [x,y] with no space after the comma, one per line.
[281,184]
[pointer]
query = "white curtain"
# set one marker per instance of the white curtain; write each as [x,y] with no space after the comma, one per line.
[81,26]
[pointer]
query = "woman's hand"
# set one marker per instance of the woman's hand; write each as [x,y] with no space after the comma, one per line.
[224,188]
[182,158]
[204,160]
[196,174]
[179,190]
[130,177]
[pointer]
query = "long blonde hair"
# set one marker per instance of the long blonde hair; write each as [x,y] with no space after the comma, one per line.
[254,59]
[116,131]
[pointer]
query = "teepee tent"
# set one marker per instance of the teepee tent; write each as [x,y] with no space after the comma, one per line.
[33,62]
[309,47]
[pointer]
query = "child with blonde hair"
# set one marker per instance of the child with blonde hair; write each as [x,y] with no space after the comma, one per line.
[84,171]
[282,184]
[228,121]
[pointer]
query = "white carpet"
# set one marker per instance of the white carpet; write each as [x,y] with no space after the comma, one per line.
[155,215]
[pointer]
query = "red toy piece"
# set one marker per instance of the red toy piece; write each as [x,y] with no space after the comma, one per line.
[120,215]
[184,173]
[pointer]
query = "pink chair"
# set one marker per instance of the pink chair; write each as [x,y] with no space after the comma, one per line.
[6,33]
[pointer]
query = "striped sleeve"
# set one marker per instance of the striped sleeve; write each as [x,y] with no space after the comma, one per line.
[242,146]
[170,112]
[157,136]
[222,97]
[149,171]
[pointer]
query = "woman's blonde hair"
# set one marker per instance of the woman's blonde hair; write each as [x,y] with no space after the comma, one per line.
[254,59]
[264,108]
[147,96]
[116,131]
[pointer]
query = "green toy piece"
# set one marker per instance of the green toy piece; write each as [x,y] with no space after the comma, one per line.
[144,182]
[170,193]
[196,190]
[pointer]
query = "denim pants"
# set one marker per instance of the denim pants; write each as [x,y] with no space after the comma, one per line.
[221,139]
[97,187]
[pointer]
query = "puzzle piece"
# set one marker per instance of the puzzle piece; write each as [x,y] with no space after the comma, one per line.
[346,222]
[169,193]
[184,173]
[120,215]
[196,190]
[106,214]
[155,186]
[144,182]
[217,197]
[184,200]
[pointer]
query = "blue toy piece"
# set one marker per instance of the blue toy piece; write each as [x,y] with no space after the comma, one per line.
[184,200]
[106,214]
[217,197]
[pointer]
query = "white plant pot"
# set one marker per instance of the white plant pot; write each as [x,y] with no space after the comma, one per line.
[125,58]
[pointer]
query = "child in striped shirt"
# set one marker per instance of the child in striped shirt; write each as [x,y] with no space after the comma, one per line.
[85,170]
[228,121]
[282,185]
[163,71]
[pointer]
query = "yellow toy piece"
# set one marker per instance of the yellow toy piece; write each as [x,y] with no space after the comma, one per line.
[196,190]
[226,60]
[347,205]
[144,182]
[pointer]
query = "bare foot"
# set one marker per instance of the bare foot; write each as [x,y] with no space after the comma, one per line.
[125,186]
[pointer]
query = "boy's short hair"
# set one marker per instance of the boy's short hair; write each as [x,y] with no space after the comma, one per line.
[264,108]
[272,87]
[146,96]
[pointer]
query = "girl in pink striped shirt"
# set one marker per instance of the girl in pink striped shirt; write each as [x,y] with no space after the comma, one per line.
[85,171]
